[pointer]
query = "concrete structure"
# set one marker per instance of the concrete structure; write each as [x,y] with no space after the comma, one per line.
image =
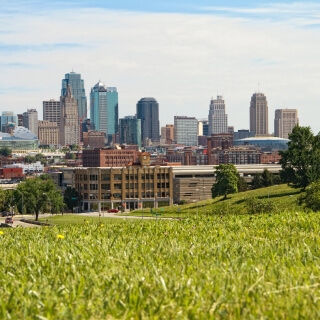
[104,113]
[51,111]
[218,119]
[259,114]
[130,130]
[124,187]
[48,133]
[69,132]
[148,113]
[284,121]
[30,120]
[186,130]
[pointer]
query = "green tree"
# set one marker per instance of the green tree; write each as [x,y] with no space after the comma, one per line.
[5,151]
[242,184]
[311,197]
[71,198]
[256,181]
[226,180]
[40,195]
[267,178]
[301,161]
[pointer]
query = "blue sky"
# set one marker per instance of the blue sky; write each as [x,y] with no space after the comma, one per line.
[180,52]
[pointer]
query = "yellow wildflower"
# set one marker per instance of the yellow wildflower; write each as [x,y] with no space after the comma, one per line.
[1,232]
[60,236]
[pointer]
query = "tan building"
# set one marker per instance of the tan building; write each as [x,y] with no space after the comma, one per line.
[124,187]
[51,111]
[284,121]
[167,134]
[69,122]
[48,133]
[259,114]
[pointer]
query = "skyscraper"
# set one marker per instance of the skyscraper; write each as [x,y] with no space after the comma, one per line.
[148,112]
[259,114]
[218,119]
[30,120]
[8,117]
[186,130]
[69,121]
[104,113]
[284,121]
[130,130]
[77,89]
[51,111]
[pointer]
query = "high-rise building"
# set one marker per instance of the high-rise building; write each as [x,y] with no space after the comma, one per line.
[167,134]
[130,130]
[8,118]
[148,112]
[104,113]
[218,119]
[284,121]
[203,127]
[48,133]
[30,120]
[186,130]
[78,91]
[51,111]
[259,114]
[69,122]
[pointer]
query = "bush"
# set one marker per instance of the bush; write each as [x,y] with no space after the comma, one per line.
[255,206]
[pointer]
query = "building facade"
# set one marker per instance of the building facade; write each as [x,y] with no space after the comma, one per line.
[48,133]
[130,130]
[104,113]
[148,113]
[8,118]
[69,132]
[186,130]
[284,121]
[51,111]
[94,139]
[30,120]
[259,115]
[124,187]
[218,119]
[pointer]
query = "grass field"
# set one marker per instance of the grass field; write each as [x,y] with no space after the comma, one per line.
[219,267]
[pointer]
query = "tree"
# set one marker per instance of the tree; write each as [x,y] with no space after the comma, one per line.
[311,197]
[267,178]
[71,198]
[226,180]
[5,151]
[242,184]
[301,161]
[256,181]
[39,195]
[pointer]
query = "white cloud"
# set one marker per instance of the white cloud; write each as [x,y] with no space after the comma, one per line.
[180,59]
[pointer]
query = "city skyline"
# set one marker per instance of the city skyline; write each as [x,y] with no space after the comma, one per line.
[186,54]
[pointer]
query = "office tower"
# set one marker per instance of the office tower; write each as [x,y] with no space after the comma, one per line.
[284,121]
[203,127]
[8,119]
[30,120]
[186,130]
[148,112]
[104,113]
[130,130]
[259,114]
[77,89]
[20,121]
[69,121]
[48,133]
[51,111]
[218,119]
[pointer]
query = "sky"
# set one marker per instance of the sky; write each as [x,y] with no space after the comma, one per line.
[181,52]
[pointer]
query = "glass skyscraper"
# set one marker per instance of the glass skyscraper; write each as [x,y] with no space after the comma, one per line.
[104,113]
[148,112]
[130,130]
[77,89]
[186,130]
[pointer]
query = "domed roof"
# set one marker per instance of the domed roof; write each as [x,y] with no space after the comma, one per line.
[148,99]
[24,133]
[100,85]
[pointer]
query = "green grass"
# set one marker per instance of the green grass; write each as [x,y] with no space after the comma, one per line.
[210,267]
